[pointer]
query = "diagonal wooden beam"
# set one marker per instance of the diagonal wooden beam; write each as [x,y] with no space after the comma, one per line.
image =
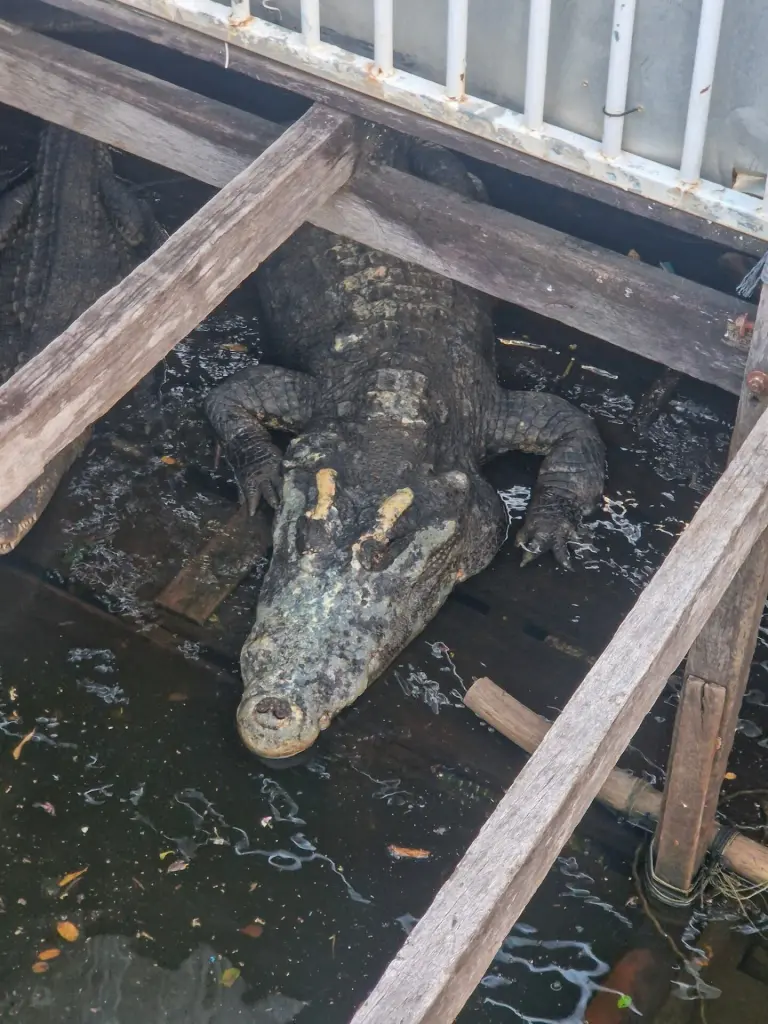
[81,374]
[449,950]
[642,309]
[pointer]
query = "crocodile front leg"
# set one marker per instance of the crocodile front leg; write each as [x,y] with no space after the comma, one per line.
[571,477]
[130,216]
[243,408]
[13,208]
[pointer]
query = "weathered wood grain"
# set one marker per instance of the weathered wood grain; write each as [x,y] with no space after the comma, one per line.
[630,304]
[450,948]
[722,655]
[107,350]
[211,576]
[236,59]
[695,742]
[622,791]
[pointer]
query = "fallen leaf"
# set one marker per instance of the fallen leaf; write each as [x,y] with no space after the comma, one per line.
[48,954]
[165,853]
[730,776]
[169,460]
[178,696]
[39,967]
[253,931]
[178,865]
[402,852]
[252,886]
[71,877]
[18,749]
[235,347]
[230,976]
[145,935]
[68,931]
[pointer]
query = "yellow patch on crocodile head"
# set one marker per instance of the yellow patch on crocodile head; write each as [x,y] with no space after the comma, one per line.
[326,492]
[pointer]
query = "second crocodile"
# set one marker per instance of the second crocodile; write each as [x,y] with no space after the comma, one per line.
[389,385]
[68,233]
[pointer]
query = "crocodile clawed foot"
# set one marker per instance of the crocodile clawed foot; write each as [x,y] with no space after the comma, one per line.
[264,483]
[549,529]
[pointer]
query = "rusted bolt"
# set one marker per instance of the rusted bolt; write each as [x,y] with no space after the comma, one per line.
[757,382]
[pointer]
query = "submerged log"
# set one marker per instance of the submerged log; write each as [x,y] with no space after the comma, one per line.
[211,576]
[622,791]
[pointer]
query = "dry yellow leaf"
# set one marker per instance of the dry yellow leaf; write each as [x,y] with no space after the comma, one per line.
[230,976]
[169,460]
[39,967]
[71,877]
[68,931]
[48,954]
[730,776]
[18,749]
[412,853]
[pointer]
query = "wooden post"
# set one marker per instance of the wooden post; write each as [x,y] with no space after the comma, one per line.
[716,674]
[107,350]
[673,321]
[622,792]
[450,948]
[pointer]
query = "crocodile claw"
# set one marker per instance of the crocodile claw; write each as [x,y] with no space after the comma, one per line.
[264,483]
[542,533]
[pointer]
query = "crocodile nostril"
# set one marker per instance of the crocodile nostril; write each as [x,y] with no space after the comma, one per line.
[276,706]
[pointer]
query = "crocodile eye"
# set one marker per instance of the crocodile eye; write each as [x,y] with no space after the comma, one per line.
[379,546]
[375,554]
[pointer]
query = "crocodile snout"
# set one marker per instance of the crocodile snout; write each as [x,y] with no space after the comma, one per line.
[273,726]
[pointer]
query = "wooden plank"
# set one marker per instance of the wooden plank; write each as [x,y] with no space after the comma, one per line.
[107,350]
[722,655]
[211,576]
[622,791]
[681,324]
[695,742]
[450,948]
[236,59]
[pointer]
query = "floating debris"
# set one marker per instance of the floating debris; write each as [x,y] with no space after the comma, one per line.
[68,931]
[20,746]
[408,852]
[68,879]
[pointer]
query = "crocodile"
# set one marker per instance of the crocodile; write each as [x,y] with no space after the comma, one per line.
[69,231]
[388,385]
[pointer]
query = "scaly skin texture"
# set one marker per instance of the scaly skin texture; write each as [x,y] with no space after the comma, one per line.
[67,235]
[390,388]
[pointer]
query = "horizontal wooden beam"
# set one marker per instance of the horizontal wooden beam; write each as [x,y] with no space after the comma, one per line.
[81,374]
[236,59]
[640,308]
[449,950]
[623,792]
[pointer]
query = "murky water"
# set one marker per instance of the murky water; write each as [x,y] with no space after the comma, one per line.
[205,887]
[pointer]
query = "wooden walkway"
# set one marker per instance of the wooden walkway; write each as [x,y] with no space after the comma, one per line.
[706,598]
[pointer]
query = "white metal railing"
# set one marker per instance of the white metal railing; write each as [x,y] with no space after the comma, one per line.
[605,159]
